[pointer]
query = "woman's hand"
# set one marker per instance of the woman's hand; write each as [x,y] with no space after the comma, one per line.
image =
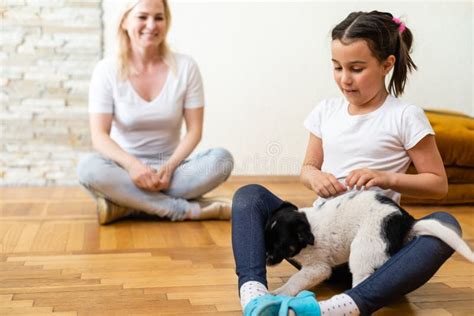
[144,177]
[165,173]
[326,185]
[369,178]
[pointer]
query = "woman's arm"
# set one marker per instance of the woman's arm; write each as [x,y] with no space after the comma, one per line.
[430,182]
[142,175]
[324,184]
[100,125]
[194,121]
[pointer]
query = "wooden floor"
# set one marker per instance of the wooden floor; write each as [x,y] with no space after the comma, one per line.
[56,259]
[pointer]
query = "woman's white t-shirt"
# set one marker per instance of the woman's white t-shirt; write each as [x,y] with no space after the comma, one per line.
[377,140]
[148,130]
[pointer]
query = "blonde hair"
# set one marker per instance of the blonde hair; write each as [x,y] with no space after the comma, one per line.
[124,48]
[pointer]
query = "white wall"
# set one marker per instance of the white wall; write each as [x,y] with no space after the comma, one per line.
[266,64]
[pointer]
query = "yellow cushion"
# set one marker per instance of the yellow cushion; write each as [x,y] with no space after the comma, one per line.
[454,137]
[455,140]
[458,193]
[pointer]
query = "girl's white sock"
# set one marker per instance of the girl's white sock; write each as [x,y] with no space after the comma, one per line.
[250,290]
[338,305]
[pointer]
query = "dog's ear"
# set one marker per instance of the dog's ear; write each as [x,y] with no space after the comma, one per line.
[306,237]
[289,205]
[285,206]
[304,231]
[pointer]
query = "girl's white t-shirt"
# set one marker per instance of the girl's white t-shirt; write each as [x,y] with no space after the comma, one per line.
[147,130]
[377,140]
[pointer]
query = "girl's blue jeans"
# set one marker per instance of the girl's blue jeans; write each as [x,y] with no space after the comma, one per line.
[407,270]
[194,177]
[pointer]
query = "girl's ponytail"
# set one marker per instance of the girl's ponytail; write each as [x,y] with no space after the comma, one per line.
[403,63]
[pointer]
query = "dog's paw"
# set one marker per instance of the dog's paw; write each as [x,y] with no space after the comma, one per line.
[285,290]
[275,292]
[279,291]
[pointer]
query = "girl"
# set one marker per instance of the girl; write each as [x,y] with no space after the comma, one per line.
[365,140]
[137,103]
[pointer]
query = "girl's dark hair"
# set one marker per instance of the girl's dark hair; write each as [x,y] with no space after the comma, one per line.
[385,37]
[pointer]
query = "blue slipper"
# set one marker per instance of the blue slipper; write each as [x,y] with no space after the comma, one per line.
[303,304]
[266,305]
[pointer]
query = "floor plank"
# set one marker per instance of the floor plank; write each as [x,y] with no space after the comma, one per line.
[56,260]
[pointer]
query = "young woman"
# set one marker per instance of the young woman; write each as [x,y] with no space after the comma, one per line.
[364,140]
[137,102]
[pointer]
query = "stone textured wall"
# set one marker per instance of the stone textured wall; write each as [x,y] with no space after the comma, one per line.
[48,49]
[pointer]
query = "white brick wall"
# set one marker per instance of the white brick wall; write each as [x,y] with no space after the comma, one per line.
[48,49]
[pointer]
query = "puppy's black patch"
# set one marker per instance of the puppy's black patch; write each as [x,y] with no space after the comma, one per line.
[396,226]
[287,231]
[352,196]
[386,200]
[285,206]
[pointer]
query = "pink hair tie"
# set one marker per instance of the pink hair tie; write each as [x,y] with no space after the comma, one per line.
[401,25]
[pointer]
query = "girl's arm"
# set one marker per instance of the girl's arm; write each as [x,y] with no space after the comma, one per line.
[142,175]
[324,184]
[430,182]
[194,121]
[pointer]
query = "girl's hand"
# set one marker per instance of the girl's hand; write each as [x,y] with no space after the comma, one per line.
[144,176]
[369,178]
[326,185]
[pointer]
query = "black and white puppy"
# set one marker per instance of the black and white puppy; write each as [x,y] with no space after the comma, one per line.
[363,228]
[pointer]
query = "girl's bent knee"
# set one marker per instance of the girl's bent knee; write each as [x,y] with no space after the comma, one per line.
[244,202]
[249,192]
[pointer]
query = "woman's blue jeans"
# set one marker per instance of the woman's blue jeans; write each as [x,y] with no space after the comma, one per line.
[407,270]
[194,177]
